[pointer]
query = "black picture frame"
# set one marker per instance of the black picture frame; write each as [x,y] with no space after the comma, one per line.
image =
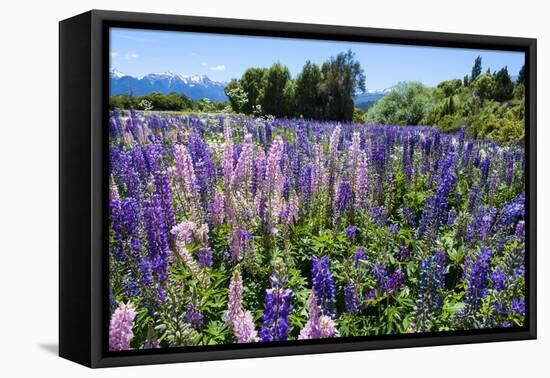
[83,195]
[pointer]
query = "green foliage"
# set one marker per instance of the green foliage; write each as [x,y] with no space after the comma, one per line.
[342,78]
[324,93]
[273,101]
[164,102]
[408,104]
[490,105]
[521,76]
[476,69]
[308,91]
[504,88]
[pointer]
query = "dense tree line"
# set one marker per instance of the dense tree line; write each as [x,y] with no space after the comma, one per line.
[323,93]
[490,104]
[164,102]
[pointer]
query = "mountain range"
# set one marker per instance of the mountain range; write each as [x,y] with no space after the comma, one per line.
[193,86]
[196,86]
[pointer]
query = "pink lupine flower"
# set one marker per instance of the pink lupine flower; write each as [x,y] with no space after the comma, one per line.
[292,209]
[122,322]
[316,171]
[227,164]
[244,329]
[318,326]
[184,170]
[234,299]
[354,152]
[185,232]
[243,170]
[274,181]
[334,141]
[218,209]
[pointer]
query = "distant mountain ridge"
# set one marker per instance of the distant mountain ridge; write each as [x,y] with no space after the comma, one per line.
[193,86]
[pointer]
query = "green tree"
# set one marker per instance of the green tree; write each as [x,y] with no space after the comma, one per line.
[407,104]
[342,78]
[253,83]
[521,76]
[484,87]
[504,88]
[449,87]
[309,98]
[476,69]
[273,101]
[236,95]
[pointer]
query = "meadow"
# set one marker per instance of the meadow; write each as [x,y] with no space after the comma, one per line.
[240,229]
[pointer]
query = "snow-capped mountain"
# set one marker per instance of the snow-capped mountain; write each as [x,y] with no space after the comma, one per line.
[193,86]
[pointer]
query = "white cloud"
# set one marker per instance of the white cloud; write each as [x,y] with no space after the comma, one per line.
[221,67]
[131,56]
[113,54]
[193,54]
[204,64]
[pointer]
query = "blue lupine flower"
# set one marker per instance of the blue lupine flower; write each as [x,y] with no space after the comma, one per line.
[498,278]
[431,286]
[351,232]
[360,254]
[518,306]
[323,284]
[351,301]
[276,316]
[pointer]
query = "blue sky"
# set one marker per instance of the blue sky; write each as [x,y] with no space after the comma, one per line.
[222,57]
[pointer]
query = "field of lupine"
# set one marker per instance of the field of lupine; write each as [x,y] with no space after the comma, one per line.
[233,229]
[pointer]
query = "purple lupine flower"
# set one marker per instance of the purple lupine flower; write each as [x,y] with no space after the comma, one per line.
[120,329]
[164,191]
[351,232]
[498,278]
[379,215]
[276,316]
[431,286]
[517,306]
[360,254]
[116,222]
[404,252]
[203,162]
[204,256]
[380,275]
[393,228]
[258,175]
[157,237]
[476,277]
[217,209]
[473,199]
[409,217]
[318,326]
[396,280]
[513,212]
[451,217]
[441,196]
[193,316]
[323,284]
[484,169]
[351,300]
[227,163]
[520,231]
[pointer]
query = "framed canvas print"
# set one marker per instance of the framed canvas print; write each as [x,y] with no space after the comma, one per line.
[234,188]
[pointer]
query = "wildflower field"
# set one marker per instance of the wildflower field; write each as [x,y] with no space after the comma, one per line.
[239,229]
